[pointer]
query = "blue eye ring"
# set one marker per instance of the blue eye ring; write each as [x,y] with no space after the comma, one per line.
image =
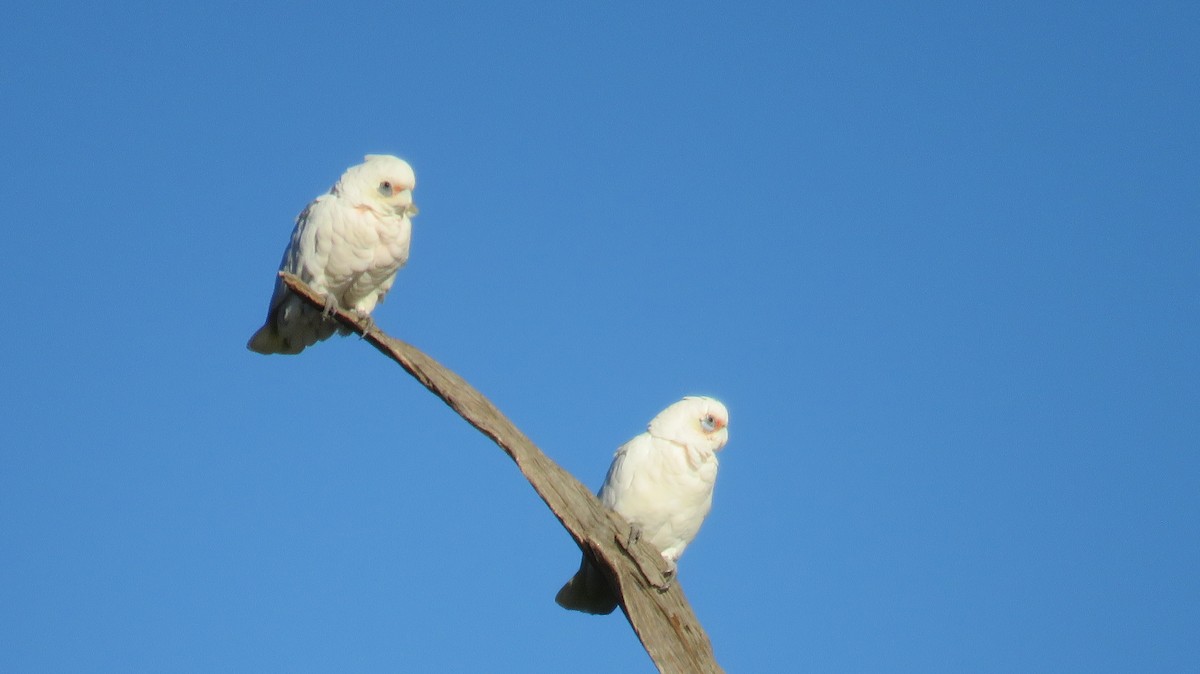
[708,423]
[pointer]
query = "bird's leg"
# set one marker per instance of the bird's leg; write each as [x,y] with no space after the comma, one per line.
[669,574]
[329,308]
[364,318]
[635,535]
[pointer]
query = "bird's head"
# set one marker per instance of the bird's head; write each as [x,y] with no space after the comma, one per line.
[382,183]
[696,421]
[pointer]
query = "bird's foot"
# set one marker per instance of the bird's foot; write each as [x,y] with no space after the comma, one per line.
[365,321]
[635,535]
[329,308]
[668,575]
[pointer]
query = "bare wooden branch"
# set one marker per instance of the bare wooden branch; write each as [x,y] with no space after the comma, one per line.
[656,609]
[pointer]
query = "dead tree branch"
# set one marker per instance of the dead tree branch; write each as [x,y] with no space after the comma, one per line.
[662,618]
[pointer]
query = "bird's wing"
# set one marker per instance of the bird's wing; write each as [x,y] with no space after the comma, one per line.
[622,473]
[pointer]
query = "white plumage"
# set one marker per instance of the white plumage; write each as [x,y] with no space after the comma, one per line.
[661,482]
[348,245]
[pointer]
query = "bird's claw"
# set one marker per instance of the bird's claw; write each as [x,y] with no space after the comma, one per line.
[668,579]
[668,575]
[365,321]
[635,535]
[330,307]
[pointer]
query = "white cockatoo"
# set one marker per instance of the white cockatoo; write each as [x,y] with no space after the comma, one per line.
[348,245]
[662,483]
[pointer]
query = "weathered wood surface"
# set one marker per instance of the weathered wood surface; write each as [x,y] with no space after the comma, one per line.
[657,610]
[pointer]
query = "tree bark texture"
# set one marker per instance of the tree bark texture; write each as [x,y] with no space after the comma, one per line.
[655,607]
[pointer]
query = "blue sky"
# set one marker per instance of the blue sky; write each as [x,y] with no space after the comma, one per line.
[942,262]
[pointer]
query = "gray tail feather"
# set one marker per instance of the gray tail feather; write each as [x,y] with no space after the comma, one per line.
[291,327]
[268,340]
[588,591]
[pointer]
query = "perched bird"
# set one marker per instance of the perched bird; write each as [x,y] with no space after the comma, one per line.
[348,245]
[662,483]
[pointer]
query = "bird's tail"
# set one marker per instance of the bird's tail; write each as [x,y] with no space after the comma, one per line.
[588,591]
[268,340]
[291,326]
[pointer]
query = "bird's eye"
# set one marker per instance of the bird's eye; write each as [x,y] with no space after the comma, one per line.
[385,188]
[708,423]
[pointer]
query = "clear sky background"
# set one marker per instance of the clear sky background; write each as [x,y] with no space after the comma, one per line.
[942,262]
